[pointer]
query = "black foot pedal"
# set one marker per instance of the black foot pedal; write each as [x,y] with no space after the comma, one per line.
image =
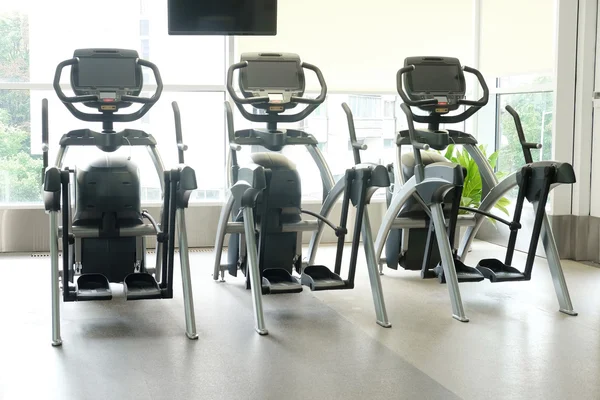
[319,277]
[278,280]
[92,287]
[496,271]
[141,287]
[464,273]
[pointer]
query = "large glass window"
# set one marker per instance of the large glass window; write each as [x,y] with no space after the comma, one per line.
[192,69]
[536,111]
[20,170]
[376,123]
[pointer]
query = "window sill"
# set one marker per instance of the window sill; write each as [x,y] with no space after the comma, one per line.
[197,204]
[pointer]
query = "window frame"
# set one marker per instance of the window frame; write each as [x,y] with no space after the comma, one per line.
[167,88]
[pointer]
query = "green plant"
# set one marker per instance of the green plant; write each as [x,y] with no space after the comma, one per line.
[473,189]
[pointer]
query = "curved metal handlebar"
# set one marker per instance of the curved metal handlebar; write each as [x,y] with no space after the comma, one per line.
[525,145]
[322,96]
[356,146]
[411,130]
[265,99]
[402,93]
[427,102]
[231,90]
[45,137]
[61,95]
[147,102]
[181,147]
[486,92]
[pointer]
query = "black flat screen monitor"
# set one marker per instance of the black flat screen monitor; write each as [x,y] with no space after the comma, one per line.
[223,17]
[106,72]
[272,75]
[435,78]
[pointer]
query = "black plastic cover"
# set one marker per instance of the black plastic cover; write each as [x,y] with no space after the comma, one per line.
[52,189]
[108,185]
[563,174]
[106,70]
[439,78]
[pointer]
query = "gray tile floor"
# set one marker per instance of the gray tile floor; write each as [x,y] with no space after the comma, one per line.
[322,345]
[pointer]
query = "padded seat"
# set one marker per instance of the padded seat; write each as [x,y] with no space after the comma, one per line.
[428,158]
[274,161]
[412,209]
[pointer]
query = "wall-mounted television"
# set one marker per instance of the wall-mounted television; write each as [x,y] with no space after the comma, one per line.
[223,17]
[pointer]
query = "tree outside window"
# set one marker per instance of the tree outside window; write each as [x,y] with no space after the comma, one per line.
[20,171]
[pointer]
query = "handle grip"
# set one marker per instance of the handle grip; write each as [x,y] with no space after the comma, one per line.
[323,94]
[420,146]
[178,133]
[530,145]
[411,129]
[56,84]
[356,147]
[135,99]
[464,102]
[486,92]
[45,135]
[525,145]
[304,100]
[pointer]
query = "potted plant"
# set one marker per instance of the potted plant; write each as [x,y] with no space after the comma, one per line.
[473,188]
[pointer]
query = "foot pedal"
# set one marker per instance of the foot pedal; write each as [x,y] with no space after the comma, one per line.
[141,286]
[319,277]
[496,271]
[92,287]
[277,281]
[464,273]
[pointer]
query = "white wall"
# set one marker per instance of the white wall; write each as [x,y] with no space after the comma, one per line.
[360,45]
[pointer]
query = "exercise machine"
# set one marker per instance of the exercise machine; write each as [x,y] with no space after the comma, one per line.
[422,218]
[104,238]
[263,212]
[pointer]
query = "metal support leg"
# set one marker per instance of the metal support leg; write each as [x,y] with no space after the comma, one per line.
[158,267]
[558,277]
[255,281]
[221,232]
[372,267]
[184,259]
[437,215]
[56,339]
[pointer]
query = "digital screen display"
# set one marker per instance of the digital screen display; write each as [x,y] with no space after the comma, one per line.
[435,78]
[275,97]
[269,74]
[222,17]
[106,72]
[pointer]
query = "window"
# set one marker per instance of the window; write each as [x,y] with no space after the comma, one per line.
[535,110]
[145,50]
[192,69]
[329,125]
[365,106]
[20,170]
[144,27]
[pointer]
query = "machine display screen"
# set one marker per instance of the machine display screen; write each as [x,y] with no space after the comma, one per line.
[270,74]
[222,17]
[106,72]
[435,78]
[275,97]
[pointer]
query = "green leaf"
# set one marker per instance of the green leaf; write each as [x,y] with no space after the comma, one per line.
[501,205]
[472,186]
[449,152]
[493,159]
